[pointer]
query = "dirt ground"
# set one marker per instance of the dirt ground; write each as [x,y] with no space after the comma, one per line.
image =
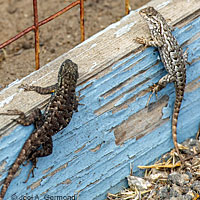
[56,37]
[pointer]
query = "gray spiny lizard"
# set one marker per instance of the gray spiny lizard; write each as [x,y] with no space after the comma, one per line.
[172,57]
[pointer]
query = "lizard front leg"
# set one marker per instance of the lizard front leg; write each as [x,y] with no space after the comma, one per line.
[168,78]
[41,90]
[149,42]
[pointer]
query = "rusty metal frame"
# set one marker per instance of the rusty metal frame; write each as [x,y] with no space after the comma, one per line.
[127,7]
[36,25]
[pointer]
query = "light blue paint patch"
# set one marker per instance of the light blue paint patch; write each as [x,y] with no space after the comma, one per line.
[85,84]
[166,111]
[96,173]
[136,57]
[107,85]
[15,141]
[187,31]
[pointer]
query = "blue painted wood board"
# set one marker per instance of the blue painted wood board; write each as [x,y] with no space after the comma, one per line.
[88,159]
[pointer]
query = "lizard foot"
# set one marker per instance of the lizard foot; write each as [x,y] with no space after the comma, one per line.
[153,89]
[31,170]
[141,40]
[26,87]
[181,147]
[26,163]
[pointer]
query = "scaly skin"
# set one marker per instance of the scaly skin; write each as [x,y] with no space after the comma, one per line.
[172,57]
[57,116]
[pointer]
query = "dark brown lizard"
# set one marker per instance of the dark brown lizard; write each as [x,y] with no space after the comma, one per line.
[172,57]
[57,116]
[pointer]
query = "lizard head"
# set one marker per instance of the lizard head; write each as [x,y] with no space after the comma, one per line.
[68,72]
[151,16]
[148,12]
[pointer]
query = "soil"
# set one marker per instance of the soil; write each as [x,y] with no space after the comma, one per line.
[56,37]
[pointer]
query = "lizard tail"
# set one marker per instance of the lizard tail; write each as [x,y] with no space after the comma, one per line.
[177,105]
[11,173]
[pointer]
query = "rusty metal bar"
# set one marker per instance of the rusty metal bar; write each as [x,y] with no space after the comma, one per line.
[36,29]
[82,20]
[16,37]
[127,7]
[59,13]
[40,24]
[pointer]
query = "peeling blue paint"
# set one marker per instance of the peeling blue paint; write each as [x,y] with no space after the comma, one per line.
[96,173]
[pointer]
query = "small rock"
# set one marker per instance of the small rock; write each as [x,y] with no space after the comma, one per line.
[175,191]
[178,179]
[11,9]
[185,189]
[176,198]
[26,45]
[190,144]
[52,50]
[189,196]
[163,193]
[196,186]
[189,174]
[140,183]
[182,197]
[157,174]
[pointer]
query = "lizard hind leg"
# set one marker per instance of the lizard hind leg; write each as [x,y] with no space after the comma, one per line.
[185,57]
[45,151]
[40,90]
[155,88]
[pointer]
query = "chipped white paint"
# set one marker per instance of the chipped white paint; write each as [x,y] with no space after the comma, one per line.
[86,50]
[124,30]
[17,81]
[164,4]
[7,100]
[10,85]
[42,77]
[112,26]
[93,45]
[93,66]
[97,35]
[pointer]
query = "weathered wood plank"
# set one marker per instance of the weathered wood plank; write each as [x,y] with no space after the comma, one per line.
[113,128]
